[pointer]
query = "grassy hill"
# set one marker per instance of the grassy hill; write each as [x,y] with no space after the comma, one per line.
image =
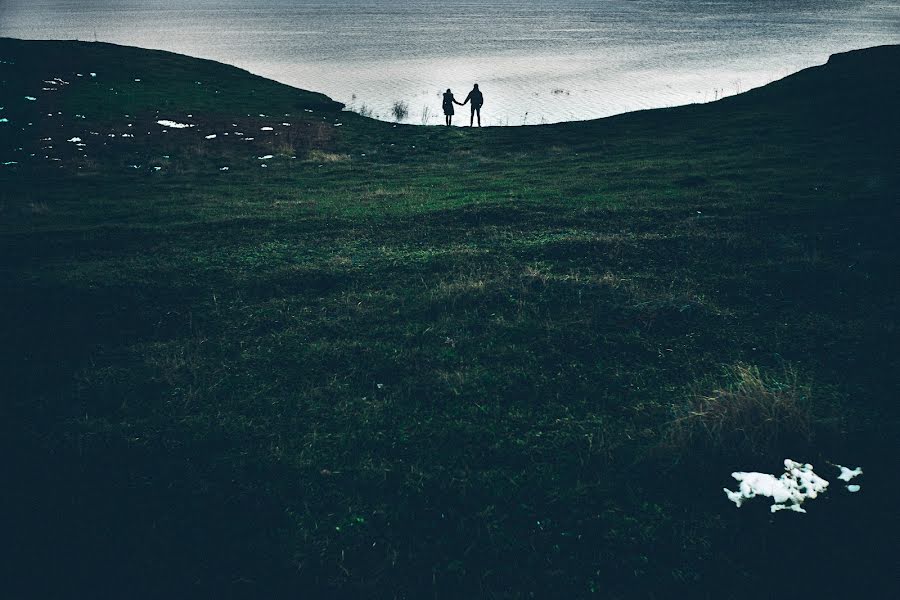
[390,361]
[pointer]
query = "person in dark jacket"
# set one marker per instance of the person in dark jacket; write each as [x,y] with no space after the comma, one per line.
[477,101]
[449,101]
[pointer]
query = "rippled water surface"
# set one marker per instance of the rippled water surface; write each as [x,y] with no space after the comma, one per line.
[535,60]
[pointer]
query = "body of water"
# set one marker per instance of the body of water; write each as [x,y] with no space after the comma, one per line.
[537,61]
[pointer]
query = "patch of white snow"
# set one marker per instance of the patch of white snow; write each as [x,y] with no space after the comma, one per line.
[848,474]
[173,124]
[788,492]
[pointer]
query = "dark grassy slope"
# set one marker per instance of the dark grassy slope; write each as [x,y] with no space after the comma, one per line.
[418,362]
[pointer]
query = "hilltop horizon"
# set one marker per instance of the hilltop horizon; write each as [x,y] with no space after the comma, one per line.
[539,62]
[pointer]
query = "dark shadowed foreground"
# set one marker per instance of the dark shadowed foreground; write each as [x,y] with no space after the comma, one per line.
[369,361]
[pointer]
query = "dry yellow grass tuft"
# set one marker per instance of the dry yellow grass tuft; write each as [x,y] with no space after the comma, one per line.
[326,157]
[752,413]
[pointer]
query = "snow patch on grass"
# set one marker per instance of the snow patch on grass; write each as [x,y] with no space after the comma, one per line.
[173,124]
[788,492]
[848,474]
[796,484]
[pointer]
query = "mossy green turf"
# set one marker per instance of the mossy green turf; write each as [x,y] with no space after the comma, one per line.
[410,362]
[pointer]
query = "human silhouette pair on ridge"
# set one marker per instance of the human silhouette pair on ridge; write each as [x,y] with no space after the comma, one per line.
[475,97]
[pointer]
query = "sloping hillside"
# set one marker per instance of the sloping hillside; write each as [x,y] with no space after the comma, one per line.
[351,359]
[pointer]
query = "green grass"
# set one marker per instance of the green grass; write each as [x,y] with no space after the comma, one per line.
[410,362]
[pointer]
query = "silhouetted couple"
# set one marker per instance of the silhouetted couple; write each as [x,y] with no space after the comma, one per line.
[474,97]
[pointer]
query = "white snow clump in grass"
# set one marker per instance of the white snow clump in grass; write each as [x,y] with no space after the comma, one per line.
[74,139]
[224,169]
[266,129]
[848,474]
[211,136]
[30,98]
[172,124]
[788,492]
[266,157]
